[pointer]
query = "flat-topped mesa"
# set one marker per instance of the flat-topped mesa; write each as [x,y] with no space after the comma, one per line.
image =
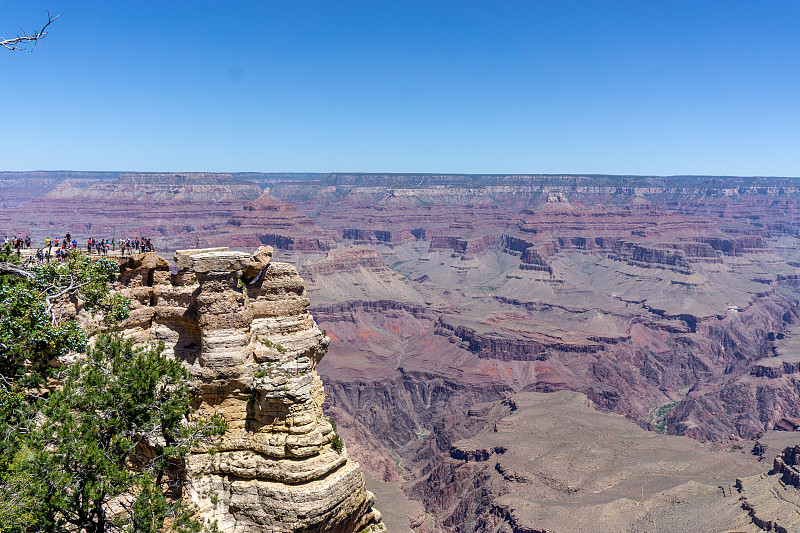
[241,324]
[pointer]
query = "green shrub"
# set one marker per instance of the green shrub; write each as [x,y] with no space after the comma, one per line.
[269,344]
[336,443]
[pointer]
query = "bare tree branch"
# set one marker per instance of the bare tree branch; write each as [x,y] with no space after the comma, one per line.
[16,270]
[50,299]
[27,42]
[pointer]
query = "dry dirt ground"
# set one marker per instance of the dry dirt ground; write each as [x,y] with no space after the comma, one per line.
[551,462]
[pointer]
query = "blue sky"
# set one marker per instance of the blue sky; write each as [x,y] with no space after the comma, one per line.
[640,87]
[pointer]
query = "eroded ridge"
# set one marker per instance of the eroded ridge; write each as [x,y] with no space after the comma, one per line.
[241,325]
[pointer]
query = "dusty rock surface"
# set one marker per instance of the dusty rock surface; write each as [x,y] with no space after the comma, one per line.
[253,351]
[773,499]
[551,462]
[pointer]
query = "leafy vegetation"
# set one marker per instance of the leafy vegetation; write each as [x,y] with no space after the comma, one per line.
[95,445]
[658,416]
[32,331]
[269,344]
[336,443]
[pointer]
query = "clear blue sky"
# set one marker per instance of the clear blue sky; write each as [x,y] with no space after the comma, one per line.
[639,87]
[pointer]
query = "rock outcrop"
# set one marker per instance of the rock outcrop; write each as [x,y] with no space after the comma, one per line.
[241,325]
[788,465]
[773,500]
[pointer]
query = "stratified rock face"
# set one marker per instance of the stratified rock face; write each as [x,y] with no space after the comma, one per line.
[253,351]
[275,223]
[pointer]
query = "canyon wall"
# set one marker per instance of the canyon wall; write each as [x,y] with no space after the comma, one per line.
[672,301]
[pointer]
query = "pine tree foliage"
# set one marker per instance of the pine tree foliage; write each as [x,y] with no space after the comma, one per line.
[32,333]
[100,448]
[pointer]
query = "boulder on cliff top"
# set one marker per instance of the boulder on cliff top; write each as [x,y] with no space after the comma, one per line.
[258,262]
[219,262]
[183,258]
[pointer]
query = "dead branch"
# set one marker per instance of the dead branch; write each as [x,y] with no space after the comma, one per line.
[15,270]
[50,299]
[27,42]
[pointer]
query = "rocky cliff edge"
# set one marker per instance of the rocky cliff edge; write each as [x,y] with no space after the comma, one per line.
[240,323]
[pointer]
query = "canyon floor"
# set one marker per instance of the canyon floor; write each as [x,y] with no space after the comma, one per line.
[508,352]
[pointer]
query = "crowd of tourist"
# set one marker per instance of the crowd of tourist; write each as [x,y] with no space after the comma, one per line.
[57,248]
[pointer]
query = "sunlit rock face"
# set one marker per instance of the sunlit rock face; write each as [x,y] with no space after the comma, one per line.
[773,499]
[241,325]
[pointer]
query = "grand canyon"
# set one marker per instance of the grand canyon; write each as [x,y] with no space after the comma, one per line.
[521,353]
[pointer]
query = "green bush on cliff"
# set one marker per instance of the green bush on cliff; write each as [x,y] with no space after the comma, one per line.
[75,449]
[96,445]
[658,417]
[32,332]
[337,443]
[269,344]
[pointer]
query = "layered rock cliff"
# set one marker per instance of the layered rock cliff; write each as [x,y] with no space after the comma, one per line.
[241,325]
